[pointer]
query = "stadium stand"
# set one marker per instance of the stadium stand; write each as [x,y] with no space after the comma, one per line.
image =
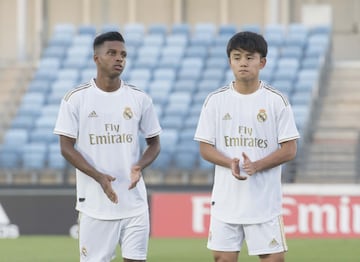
[178,66]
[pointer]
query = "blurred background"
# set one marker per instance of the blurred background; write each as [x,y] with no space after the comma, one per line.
[176,53]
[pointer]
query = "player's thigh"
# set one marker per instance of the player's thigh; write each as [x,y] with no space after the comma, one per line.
[135,237]
[266,238]
[97,238]
[225,240]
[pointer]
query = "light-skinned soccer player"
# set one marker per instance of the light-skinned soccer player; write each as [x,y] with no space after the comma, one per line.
[247,130]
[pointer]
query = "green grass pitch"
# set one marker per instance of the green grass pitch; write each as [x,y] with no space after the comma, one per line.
[64,249]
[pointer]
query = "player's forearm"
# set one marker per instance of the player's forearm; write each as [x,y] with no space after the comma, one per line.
[211,154]
[285,153]
[150,153]
[74,157]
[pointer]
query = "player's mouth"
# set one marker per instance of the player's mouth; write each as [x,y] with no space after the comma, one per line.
[118,67]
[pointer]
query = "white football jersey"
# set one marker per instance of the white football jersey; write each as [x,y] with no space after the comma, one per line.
[106,126]
[255,124]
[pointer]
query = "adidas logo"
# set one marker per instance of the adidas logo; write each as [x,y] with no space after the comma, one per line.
[273,243]
[93,114]
[226,117]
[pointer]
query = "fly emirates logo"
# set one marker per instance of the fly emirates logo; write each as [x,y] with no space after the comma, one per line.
[326,216]
[112,135]
[245,139]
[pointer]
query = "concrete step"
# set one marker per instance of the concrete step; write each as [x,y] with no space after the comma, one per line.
[315,178]
[335,135]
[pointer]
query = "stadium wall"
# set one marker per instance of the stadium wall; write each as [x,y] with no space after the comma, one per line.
[310,211]
[27,24]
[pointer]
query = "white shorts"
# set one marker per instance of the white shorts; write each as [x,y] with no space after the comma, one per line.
[261,239]
[98,239]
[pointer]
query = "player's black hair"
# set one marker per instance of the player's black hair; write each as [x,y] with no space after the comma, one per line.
[108,36]
[248,41]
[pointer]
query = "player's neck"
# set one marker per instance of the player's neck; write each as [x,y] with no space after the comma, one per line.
[108,84]
[246,87]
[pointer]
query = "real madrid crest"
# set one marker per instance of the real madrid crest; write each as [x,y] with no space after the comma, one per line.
[128,114]
[261,116]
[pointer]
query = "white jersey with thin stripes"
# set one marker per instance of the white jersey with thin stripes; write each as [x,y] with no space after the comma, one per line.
[255,124]
[106,126]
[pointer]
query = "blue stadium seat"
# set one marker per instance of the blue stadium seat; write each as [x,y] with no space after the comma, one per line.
[256,28]
[177,40]
[16,138]
[209,85]
[133,39]
[87,30]
[84,40]
[108,27]
[291,51]
[61,39]
[181,28]
[191,121]
[157,29]
[87,73]
[186,85]
[266,74]
[79,52]
[71,74]
[227,29]
[172,122]
[204,29]
[140,74]
[48,63]
[216,74]
[9,159]
[169,138]
[196,51]
[220,63]
[34,155]
[64,28]
[160,86]
[54,52]
[130,28]
[23,121]
[286,73]
[284,86]
[185,160]
[189,73]
[164,74]
[42,134]
[308,75]
[154,40]
[54,159]
[176,109]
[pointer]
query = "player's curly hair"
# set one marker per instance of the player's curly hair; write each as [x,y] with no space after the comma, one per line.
[248,41]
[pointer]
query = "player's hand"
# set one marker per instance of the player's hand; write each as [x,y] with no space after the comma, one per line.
[105,183]
[248,166]
[235,169]
[134,176]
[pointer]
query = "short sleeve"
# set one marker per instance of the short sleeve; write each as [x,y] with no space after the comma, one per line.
[206,128]
[67,122]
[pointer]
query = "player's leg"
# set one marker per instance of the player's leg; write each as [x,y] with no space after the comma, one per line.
[267,240]
[97,239]
[225,240]
[278,257]
[134,238]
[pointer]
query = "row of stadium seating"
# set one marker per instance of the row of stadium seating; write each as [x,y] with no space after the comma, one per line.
[177,66]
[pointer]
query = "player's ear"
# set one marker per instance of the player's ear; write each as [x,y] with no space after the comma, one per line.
[262,62]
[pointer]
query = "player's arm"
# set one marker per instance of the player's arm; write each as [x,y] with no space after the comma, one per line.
[150,153]
[211,154]
[285,153]
[68,150]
